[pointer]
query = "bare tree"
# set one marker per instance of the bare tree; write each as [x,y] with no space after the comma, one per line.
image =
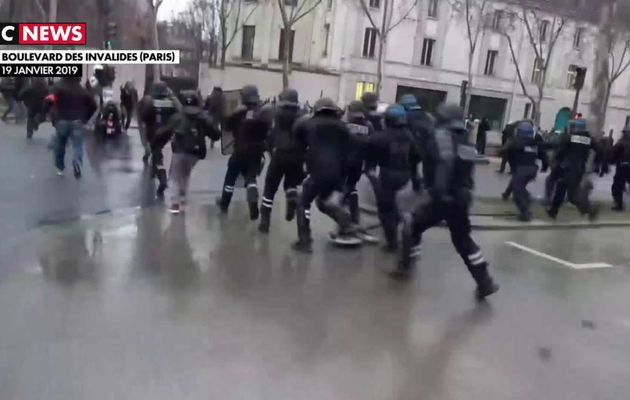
[384,28]
[475,14]
[541,33]
[231,22]
[612,57]
[153,70]
[292,11]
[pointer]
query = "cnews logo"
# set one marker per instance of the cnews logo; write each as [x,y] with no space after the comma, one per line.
[42,33]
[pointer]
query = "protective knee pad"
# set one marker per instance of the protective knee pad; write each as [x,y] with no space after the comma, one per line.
[252,193]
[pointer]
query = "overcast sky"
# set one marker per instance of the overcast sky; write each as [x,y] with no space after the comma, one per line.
[171,6]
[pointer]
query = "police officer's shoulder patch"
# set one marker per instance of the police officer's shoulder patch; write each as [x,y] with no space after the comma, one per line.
[357,129]
[585,140]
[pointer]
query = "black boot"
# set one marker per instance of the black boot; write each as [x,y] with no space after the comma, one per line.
[254,212]
[485,288]
[303,246]
[223,201]
[162,182]
[265,219]
[354,207]
[291,208]
[618,207]
[552,212]
[485,283]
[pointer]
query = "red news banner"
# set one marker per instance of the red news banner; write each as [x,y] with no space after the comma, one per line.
[58,63]
[42,34]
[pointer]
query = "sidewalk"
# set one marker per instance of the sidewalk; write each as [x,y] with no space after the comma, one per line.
[490,212]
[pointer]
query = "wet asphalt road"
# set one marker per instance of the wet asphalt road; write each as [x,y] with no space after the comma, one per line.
[138,304]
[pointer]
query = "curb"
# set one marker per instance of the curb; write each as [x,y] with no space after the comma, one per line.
[521,226]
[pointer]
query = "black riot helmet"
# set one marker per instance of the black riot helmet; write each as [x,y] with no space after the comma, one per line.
[288,98]
[325,105]
[450,116]
[370,101]
[356,110]
[191,102]
[159,90]
[249,95]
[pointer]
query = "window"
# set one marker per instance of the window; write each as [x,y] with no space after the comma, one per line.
[432,11]
[528,111]
[326,34]
[496,19]
[427,52]
[544,26]
[577,38]
[537,71]
[330,4]
[247,48]
[375,3]
[290,3]
[281,46]
[369,42]
[363,87]
[491,58]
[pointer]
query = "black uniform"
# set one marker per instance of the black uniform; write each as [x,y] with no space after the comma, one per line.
[448,198]
[33,95]
[421,125]
[392,150]
[361,130]
[370,103]
[506,135]
[249,124]
[621,157]
[573,150]
[187,131]
[154,111]
[287,161]
[522,152]
[128,100]
[326,139]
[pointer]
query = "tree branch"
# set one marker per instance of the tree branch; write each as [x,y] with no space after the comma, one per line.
[530,35]
[518,69]
[366,11]
[621,68]
[40,8]
[402,18]
[300,16]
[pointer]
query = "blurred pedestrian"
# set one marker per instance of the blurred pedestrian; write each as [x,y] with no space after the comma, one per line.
[215,106]
[74,107]
[506,136]
[33,95]
[482,133]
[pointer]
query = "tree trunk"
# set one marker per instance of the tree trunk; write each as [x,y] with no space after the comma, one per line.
[605,106]
[603,44]
[469,86]
[380,63]
[536,113]
[286,62]
[52,11]
[156,45]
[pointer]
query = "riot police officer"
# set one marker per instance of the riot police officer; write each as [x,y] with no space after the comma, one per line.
[249,124]
[392,150]
[287,159]
[360,131]
[154,111]
[522,152]
[187,131]
[326,139]
[573,149]
[370,105]
[420,124]
[447,198]
[621,158]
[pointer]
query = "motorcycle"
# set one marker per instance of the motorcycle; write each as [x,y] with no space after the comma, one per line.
[109,124]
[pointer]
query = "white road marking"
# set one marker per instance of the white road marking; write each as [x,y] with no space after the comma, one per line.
[558,260]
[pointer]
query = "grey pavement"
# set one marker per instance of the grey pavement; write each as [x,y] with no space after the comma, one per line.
[104,295]
[198,306]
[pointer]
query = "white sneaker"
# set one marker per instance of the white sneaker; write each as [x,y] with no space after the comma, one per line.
[59,172]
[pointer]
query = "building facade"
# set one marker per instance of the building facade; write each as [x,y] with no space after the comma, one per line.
[335,53]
